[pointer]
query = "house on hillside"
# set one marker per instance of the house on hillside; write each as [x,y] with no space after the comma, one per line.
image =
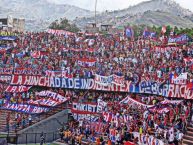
[12,24]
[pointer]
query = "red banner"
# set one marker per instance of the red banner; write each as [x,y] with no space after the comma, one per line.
[6,71]
[45,102]
[165,49]
[17,89]
[21,71]
[86,62]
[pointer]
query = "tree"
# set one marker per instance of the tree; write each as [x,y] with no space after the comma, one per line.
[63,24]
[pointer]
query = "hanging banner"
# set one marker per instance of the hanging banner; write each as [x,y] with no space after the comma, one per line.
[6,71]
[109,117]
[84,115]
[5,78]
[133,102]
[86,62]
[17,89]
[25,108]
[101,105]
[63,74]
[45,102]
[159,110]
[52,95]
[181,79]
[174,102]
[24,71]
[144,87]
[107,80]
[103,80]
[180,39]
[6,38]
[71,83]
[165,49]
[59,32]
[91,50]
[86,107]
[38,54]
[166,90]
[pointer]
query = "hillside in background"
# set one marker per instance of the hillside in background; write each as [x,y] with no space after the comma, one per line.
[155,12]
[40,13]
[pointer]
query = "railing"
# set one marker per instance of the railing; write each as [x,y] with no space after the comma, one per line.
[33,138]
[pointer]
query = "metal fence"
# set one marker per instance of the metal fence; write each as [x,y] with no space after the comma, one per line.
[29,138]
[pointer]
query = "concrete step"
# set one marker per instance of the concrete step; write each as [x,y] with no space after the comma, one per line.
[188,142]
[190,129]
[188,137]
[190,133]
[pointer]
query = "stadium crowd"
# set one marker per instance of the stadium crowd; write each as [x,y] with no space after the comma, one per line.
[83,56]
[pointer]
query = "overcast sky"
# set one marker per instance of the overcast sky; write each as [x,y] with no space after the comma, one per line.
[114,4]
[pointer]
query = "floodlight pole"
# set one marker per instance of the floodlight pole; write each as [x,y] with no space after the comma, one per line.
[95,9]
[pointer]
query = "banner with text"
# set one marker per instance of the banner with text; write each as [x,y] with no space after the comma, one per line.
[25,108]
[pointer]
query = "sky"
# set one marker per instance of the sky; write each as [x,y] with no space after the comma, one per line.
[103,5]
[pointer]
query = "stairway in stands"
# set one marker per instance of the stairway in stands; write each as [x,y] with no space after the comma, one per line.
[3,116]
[188,137]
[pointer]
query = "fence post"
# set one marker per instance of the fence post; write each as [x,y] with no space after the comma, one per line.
[35,137]
[26,138]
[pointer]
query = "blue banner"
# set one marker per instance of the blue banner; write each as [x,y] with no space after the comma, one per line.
[180,39]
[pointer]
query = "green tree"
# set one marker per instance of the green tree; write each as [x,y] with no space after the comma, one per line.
[63,24]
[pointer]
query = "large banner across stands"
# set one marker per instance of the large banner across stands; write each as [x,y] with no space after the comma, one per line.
[146,87]
[25,108]
[71,83]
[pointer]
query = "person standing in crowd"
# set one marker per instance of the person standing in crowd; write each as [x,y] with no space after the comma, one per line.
[42,139]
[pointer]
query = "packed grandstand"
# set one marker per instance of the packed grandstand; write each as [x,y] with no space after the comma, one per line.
[118,89]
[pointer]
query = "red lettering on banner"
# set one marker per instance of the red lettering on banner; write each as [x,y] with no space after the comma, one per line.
[13,89]
[177,91]
[46,81]
[171,90]
[41,81]
[27,80]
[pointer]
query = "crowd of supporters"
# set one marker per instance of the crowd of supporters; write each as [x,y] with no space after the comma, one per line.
[111,54]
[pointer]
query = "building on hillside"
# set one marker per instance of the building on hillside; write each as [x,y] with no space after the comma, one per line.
[106,27]
[12,24]
[91,28]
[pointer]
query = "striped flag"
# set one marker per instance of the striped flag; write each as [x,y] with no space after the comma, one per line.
[163,30]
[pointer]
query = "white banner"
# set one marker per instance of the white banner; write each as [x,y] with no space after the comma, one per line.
[108,80]
[44,102]
[181,79]
[88,107]
[57,97]
[133,102]
[101,105]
